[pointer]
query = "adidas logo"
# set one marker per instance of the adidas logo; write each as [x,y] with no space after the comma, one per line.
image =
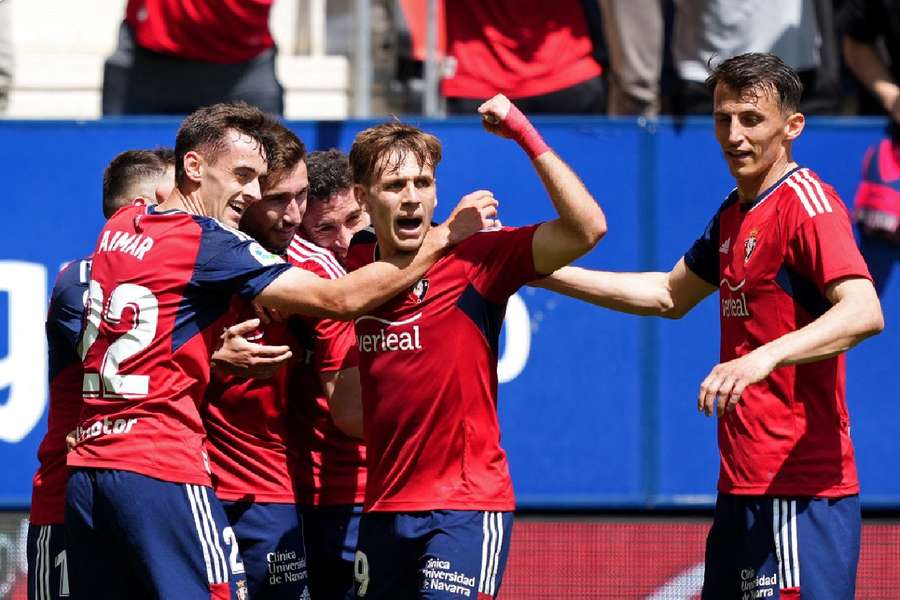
[724,248]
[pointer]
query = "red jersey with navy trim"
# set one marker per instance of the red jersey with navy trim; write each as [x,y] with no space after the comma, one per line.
[252,452]
[159,280]
[63,327]
[772,260]
[428,367]
[216,31]
[332,467]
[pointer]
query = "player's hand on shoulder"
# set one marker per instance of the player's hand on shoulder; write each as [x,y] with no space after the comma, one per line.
[722,389]
[493,112]
[243,358]
[476,211]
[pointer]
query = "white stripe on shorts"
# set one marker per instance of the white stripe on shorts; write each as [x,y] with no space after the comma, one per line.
[200,535]
[492,544]
[215,535]
[784,529]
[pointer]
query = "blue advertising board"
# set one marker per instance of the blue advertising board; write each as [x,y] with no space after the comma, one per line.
[597,408]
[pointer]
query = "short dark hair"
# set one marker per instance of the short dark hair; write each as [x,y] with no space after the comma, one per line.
[376,144]
[329,173]
[285,152]
[204,131]
[126,172]
[756,71]
[167,155]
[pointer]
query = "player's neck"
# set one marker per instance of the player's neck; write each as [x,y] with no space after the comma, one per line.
[749,190]
[180,201]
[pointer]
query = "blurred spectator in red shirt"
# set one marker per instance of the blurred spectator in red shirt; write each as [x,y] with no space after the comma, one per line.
[536,52]
[174,56]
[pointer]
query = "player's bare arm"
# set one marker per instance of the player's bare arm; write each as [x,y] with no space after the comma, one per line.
[865,62]
[243,358]
[855,315]
[581,221]
[299,291]
[670,295]
[342,390]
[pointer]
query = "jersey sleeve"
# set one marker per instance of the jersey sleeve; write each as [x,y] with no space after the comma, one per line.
[335,345]
[502,261]
[65,315]
[822,247]
[703,256]
[236,263]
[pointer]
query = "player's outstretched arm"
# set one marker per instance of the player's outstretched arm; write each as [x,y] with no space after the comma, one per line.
[669,295]
[342,391]
[855,314]
[300,291]
[581,221]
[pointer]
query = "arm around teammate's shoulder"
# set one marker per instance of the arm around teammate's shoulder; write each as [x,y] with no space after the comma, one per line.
[300,291]
[670,295]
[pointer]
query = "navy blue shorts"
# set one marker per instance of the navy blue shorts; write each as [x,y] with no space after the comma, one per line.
[271,541]
[439,554]
[765,547]
[331,533]
[132,536]
[48,577]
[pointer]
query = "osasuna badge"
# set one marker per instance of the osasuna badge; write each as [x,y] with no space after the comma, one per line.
[750,244]
[420,289]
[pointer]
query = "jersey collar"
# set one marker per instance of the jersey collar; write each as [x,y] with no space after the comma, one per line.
[748,206]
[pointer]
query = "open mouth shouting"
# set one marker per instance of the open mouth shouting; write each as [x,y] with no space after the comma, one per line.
[408,227]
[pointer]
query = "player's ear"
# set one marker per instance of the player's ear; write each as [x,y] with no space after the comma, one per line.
[793,126]
[362,197]
[193,165]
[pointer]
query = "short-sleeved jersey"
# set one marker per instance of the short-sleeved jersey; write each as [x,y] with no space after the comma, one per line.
[772,260]
[428,367]
[332,466]
[251,449]
[159,280]
[202,30]
[63,327]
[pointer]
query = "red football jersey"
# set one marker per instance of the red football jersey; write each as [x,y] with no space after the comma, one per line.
[428,365]
[218,31]
[251,449]
[64,318]
[519,48]
[159,280]
[331,469]
[772,260]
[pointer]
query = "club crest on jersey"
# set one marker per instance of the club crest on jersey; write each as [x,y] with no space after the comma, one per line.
[420,289]
[750,244]
[263,256]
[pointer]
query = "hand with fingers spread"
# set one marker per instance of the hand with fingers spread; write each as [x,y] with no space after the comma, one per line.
[501,117]
[475,211]
[723,387]
[244,358]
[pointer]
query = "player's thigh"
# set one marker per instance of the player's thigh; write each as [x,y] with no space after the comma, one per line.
[270,537]
[330,534]
[740,553]
[385,566]
[48,577]
[465,555]
[176,537]
[826,552]
[94,552]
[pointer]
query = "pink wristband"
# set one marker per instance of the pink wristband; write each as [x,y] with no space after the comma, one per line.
[519,128]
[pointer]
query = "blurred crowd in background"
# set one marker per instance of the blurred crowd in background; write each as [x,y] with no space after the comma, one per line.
[618,57]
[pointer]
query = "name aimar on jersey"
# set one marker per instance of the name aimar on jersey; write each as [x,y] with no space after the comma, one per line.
[135,244]
[394,336]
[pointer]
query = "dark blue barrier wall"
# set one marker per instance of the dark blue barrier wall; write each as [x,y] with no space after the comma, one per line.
[600,411]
